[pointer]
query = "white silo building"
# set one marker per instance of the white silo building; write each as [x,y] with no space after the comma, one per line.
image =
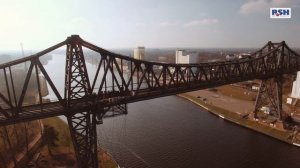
[139,53]
[181,58]
[296,87]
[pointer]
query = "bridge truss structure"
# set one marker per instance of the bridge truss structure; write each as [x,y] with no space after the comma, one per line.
[87,98]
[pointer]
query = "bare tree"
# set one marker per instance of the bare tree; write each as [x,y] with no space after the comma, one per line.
[6,134]
[26,139]
[50,136]
[3,159]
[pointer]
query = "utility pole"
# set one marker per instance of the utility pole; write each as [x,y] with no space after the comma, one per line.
[23,55]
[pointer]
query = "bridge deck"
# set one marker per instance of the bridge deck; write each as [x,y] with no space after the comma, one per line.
[33,112]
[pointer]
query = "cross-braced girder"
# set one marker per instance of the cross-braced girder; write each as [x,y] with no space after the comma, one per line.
[83,124]
[118,80]
[77,82]
[84,136]
[270,96]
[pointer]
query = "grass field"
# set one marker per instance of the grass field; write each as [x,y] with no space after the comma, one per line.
[237,92]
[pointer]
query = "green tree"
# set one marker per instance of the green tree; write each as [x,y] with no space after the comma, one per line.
[50,136]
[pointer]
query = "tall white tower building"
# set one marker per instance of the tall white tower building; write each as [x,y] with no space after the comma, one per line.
[296,87]
[139,53]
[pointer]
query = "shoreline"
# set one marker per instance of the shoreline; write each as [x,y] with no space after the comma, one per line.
[235,118]
[108,160]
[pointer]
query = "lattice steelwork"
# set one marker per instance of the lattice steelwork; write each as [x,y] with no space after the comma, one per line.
[83,124]
[77,82]
[83,131]
[270,95]
[119,80]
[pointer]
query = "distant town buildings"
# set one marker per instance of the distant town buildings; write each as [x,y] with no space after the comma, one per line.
[231,57]
[181,58]
[139,53]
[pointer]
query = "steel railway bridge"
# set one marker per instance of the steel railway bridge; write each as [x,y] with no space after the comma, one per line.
[119,80]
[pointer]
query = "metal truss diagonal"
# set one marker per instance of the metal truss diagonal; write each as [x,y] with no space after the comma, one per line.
[83,132]
[270,95]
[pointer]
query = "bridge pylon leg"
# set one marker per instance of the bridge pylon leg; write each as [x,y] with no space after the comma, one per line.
[84,136]
[82,125]
[270,95]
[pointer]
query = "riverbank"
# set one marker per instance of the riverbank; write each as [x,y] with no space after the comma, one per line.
[63,155]
[242,119]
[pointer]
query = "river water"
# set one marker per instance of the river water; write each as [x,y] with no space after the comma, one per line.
[171,132]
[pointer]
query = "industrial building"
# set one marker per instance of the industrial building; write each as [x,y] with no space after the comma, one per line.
[139,53]
[231,57]
[295,95]
[181,58]
[296,87]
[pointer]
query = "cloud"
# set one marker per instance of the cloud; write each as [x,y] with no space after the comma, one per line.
[254,6]
[260,6]
[140,24]
[201,22]
[167,24]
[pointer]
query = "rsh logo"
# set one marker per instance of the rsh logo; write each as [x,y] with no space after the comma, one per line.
[280,13]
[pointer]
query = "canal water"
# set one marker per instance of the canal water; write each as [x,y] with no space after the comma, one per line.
[171,132]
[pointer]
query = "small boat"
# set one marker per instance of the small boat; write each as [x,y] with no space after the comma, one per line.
[221,116]
[296,144]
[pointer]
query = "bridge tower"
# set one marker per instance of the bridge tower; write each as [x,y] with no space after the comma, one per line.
[82,125]
[270,94]
[270,91]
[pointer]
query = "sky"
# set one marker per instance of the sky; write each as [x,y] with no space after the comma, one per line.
[39,24]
